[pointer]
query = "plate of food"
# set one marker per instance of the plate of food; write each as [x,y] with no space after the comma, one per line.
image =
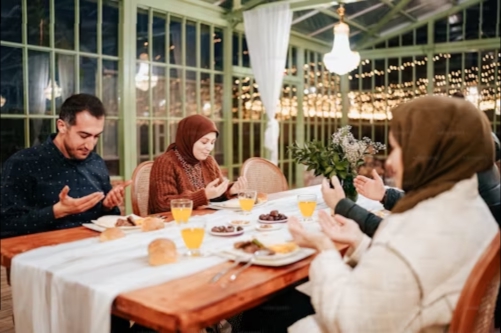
[226,231]
[268,227]
[275,250]
[240,223]
[128,222]
[261,199]
[273,217]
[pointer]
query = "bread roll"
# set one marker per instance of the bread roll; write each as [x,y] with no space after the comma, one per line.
[111,234]
[162,251]
[261,197]
[152,223]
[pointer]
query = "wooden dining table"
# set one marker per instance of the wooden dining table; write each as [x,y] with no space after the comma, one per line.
[186,304]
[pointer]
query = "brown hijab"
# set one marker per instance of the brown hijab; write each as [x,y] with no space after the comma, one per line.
[444,140]
[189,131]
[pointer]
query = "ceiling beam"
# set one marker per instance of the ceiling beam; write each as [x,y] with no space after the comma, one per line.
[422,50]
[305,16]
[402,12]
[346,20]
[351,17]
[444,11]
[311,4]
[385,19]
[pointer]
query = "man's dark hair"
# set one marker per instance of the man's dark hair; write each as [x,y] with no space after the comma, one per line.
[458,94]
[79,103]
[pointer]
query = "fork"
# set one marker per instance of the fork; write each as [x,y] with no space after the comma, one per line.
[220,274]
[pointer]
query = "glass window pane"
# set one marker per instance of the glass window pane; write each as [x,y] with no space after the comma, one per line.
[11,69]
[218,96]
[175,40]
[175,93]
[110,87]
[218,49]
[142,40]
[88,75]
[110,146]
[191,93]
[88,26]
[159,22]
[219,146]
[160,139]
[39,84]
[38,22]
[235,47]
[205,94]
[111,13]
[159,102]
[11,21]
[191,44]
[142,141]
[65,24]
[40,129]
[12,136]
[205,40]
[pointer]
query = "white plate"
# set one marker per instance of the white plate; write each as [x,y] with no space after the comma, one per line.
[108,221]
[227,234]
[295,256]
[231,204]
[272,222]
[240,223]
[268,227]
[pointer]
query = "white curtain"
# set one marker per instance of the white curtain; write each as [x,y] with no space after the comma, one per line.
[66,69]
[39,78]
[267,30]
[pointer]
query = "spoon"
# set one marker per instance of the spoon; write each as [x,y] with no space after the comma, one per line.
[258,253]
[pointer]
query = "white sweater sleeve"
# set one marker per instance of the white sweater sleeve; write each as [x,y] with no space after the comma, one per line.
[380,295]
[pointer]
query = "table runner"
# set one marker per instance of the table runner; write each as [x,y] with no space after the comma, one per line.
[71,287]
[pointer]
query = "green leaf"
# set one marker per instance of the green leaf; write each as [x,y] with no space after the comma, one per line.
[340,167]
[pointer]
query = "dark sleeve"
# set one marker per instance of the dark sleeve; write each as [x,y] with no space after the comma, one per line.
[497,147]
[18,215]
[367,221]
[391,198]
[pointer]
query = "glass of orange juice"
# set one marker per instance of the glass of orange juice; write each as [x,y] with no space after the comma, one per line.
[181,209]
[247,199]
[307,204]
[193,234]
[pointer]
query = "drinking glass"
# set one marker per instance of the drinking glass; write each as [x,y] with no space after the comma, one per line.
[193,234]
[181,209]
[247,199]
[307,204]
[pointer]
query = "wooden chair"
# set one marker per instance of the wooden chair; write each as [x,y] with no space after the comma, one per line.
[140,188]
[263,176]
[474,312]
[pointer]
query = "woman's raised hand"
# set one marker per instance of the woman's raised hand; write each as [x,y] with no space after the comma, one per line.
[239,186]
[213,190]
[370,188]
[340,229]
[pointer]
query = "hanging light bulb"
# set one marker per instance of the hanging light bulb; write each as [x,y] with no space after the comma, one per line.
[2,101]
[341,60]
[143,75]
[48,90]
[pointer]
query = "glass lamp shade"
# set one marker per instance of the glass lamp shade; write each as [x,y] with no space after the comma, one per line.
[341,60]
[143,77]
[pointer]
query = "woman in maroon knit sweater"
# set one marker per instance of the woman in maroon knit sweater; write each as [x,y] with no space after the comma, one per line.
[187,170]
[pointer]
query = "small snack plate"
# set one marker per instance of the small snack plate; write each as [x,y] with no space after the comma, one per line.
[234,204]
[109,221]
[227,234]
[272,222]
[240,223]
[268,227]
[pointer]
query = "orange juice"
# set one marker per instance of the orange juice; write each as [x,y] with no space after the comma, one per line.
[181,214]
[307,207]
[246,204]
[193,237]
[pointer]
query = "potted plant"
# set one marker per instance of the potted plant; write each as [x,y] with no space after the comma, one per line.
[340,157]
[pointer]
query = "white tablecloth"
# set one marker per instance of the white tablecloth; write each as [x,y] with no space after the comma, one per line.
[70,287]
